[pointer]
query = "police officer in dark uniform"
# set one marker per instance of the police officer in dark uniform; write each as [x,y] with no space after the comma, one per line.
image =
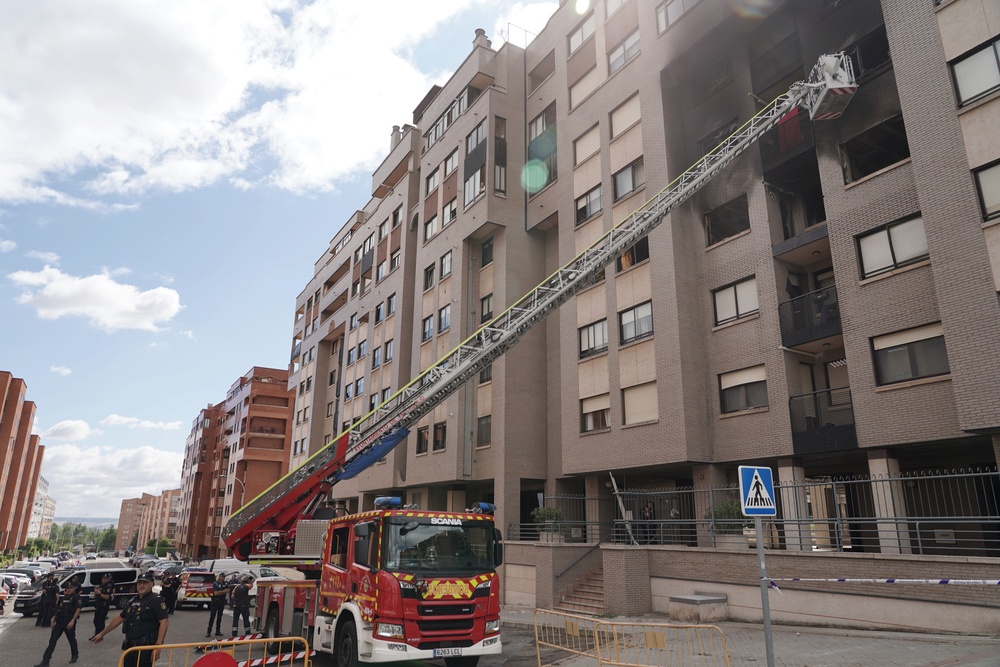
[50,593]
[67,610]
[220,591]
[145,621]
[168,590]
[241,604]
[103,595]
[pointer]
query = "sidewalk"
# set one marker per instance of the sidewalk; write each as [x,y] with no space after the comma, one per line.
[821,647]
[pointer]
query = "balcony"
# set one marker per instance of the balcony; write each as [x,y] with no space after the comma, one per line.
[810,317]
[823,421]
[792,137]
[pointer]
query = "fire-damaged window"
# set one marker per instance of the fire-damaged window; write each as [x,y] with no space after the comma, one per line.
[870,55]
[728,220]
[875,149]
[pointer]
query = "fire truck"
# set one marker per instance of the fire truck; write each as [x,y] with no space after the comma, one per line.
[376,590]
[395,583]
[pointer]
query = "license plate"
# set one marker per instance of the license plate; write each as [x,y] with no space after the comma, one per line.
[447,652]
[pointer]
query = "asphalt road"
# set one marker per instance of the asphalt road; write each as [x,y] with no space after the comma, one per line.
[22,642]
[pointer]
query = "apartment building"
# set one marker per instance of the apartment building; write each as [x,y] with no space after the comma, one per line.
[21,455]
[130,522]
[158,518]
[43,511]
[204,457]
[827,306]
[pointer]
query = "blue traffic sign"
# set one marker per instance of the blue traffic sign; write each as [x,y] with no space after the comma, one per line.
[757,492]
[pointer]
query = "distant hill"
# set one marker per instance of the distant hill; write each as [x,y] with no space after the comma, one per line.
[88,521]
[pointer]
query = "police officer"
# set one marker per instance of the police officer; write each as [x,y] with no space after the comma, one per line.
[103,595]
[168,590]
[50,593]
[241,604]
[67,610]
[220,591]
[145,621]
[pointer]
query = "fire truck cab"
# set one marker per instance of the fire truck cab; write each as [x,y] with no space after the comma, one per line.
[392,584]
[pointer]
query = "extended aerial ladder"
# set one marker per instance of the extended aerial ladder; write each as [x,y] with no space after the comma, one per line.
[825,94]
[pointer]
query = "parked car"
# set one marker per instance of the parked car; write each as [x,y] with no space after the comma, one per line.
[31,573]
[158,567]
[91,555]
[195,589]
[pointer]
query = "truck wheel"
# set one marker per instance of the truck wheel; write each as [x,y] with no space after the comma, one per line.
[465,661]
[271,632]
[346,648]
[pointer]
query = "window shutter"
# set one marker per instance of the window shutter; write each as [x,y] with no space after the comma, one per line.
[908,336]
[875,253]
[588,144]
[746,296]
[745,376]
[595,403]
[908,240]
[977,74]
[625,116]
[725,304]
[640,403]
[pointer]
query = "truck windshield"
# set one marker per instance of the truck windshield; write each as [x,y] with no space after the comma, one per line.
[417,545]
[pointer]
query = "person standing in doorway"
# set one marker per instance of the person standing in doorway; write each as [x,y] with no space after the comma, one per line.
[102,602]
[67,610]
[220,591]
[241,605]
[146,624]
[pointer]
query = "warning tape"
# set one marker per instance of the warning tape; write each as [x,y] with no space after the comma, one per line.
[847,580]
[273,660]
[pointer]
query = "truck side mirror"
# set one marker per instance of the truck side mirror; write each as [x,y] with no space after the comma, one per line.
[497,548]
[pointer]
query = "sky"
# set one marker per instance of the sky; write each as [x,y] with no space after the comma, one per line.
[169,173]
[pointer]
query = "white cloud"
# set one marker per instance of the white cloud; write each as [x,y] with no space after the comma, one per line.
[522,22]
[47,257]
[135,422]
[106,303]
[7,246]
[92,481]
[70,430]
[147,95]
[61,370]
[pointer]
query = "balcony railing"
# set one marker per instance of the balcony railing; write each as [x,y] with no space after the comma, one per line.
[810,317]
[823,421]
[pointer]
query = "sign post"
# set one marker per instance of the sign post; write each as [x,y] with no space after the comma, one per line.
[757,500]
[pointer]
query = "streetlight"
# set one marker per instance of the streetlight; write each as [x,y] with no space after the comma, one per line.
[243,488]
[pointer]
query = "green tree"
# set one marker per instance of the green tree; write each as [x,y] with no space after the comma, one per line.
[106,542]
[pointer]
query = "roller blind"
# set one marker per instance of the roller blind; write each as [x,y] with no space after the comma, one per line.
[640,403]
[745,376]
[625,116]
[588,144]
[908,336]
[595,403]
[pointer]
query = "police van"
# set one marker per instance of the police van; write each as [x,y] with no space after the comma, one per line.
[29,600]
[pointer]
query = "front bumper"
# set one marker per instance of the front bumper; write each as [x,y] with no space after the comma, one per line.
[392,651]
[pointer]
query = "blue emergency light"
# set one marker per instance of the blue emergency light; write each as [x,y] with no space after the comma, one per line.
[388,503]
[483,508]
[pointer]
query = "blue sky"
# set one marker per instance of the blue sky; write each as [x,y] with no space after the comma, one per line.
[169,172]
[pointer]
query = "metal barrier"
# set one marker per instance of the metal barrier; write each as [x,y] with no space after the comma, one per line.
[291,651]
[628,643]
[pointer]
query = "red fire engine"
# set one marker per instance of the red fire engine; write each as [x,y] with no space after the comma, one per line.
[393,584]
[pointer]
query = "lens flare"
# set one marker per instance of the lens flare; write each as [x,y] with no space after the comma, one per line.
[753,9]
[534,176]
[582,7]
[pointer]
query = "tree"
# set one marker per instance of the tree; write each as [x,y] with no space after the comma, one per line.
[106,542]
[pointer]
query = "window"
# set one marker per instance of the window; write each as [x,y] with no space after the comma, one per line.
[446,264]
[486,375]
[743,390]
[593,338]
[440,433]
[629,179]
[429,277]
[486,251]
[359,387]
[397,217]
[870,55]
[386,393]
[381,271]
[433,181]
[717,136]
[988,184]
[639,252]
[710,77]
[500,178]
[348,391]
[475,185]
[390,305]
[428,328]
[376,357]
[581,34]
[430,227]
[476,137]
[595,413]
[892,246]
[394,261]
[486,308]
[352,356]
[588,144]
[450,212]
[362,348]
[728,220]
[588,205]
[484,430]
[451,162]
[379,312]
[639,404]
[383,229]
[356,288]
[882,146]
[422,434]
[735,301]
[373,402]
[444,318]
[388,350]
[329,409]
[332,379]
[542,151]
[911,354]
[977,74]
[636,323]
[623,53]
[353,322]
[670,11]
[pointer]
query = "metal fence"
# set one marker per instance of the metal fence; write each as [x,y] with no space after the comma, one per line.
[943,513]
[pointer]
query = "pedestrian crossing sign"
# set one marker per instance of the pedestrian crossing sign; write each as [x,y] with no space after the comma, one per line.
[757,492]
